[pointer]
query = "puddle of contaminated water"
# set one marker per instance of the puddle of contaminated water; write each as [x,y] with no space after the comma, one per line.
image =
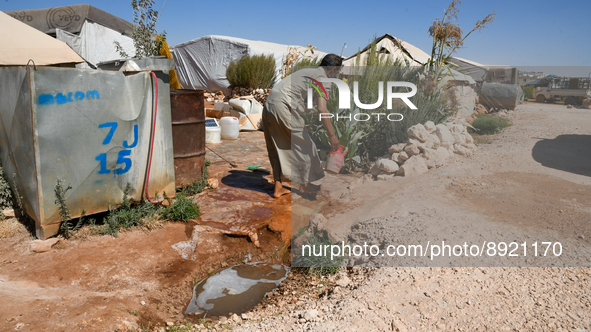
[236,289]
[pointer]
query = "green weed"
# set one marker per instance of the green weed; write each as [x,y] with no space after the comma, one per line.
[198,185]
[182,209]
[5,192]
[319,265]
[67,228]
[257,71]
[488,125]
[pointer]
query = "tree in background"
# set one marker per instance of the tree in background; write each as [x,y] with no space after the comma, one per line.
[144,34]
[448,36]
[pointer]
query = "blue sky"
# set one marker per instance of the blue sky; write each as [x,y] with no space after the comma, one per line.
[535,33]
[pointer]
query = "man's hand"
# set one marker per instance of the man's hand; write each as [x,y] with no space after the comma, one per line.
[334,142]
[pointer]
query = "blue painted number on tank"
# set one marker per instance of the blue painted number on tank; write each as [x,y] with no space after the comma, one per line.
[135,138]
[113,126]
[122,158]
[103,159]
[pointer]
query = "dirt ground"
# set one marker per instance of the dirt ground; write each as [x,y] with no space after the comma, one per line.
[102,283]
[533,178]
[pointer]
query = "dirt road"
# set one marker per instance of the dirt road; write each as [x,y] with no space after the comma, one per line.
[533,178]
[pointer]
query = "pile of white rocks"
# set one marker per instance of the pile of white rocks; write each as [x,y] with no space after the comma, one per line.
[428,146]
[213,96]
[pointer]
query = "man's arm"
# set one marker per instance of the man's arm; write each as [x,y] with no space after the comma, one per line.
[332,138]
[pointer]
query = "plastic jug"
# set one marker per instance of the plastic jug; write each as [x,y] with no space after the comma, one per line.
[335,160]
[213,135]
[230,127]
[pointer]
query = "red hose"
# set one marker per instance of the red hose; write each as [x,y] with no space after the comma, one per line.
[153,133]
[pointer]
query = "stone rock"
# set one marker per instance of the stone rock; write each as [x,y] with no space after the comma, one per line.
[8,213]
[169,323]
[309,315]
[213,183]
[412,149]
[458,149]
[587,103]
[375,170]
[468,137]
[413,166]
[459,138]
[402,157]
[418,131]
[395,156]
[457,129]
[387,165]
[445,136]
[435,158]
[343,281]
[386,177]
[471,146]
[430,127]
[316,220]
[245,316]
[432,142]
[236,318]
[39,246]
[396,148]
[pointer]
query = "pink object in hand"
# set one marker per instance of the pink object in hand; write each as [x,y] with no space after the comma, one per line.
[335,160]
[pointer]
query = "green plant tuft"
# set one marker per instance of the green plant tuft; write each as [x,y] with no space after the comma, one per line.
[198,185]
[256,72]
[182,209]
[319,265]
[5,192]
[60,190]
[488,125]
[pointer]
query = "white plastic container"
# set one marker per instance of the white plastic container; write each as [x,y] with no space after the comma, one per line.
[213,135]
[230,127]
[218,105]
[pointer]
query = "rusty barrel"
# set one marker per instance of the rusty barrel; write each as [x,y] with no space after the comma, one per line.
[188,135]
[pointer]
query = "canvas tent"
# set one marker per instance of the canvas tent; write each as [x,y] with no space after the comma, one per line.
[201,63]
[89,31]
[474,69]
[396,48]
[20,43]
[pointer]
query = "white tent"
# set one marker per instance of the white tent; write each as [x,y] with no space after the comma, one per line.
[396,48]
[474,69]
[201,63]
[89,31]
[20,43]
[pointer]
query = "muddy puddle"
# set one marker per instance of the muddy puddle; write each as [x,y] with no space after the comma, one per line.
[236,289]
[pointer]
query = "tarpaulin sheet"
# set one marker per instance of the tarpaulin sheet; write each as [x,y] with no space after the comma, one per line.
[500,95]
[201,63]
[96,43]
[70,18]
[20,43]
